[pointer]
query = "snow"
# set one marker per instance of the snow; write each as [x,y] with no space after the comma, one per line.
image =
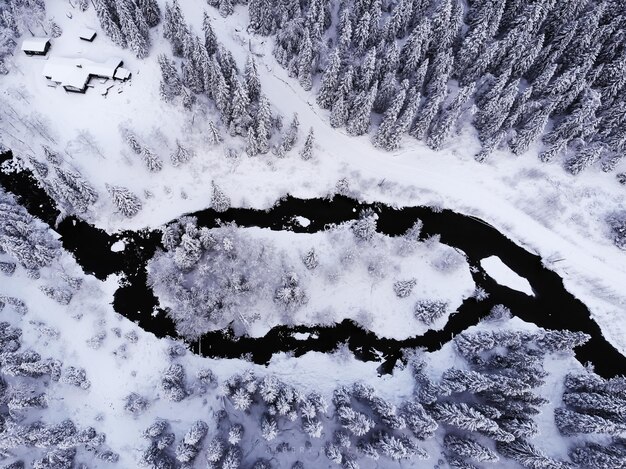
[118,246]
[504,275]
[540,207]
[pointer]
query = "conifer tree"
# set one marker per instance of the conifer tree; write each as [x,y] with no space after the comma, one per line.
[108,24]
[251,143]
[213,134]
[126,202]
[263,122]
[305,60]
[339,113]
[359,120]
[220,202]
[136,42]
[253,84]
[151,11]
[330,81]
[307,150]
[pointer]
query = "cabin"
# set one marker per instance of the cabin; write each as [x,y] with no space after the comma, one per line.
[74,74]
[36,46]
[87,34]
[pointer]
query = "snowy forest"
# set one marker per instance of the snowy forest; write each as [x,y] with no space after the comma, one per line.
[258,241]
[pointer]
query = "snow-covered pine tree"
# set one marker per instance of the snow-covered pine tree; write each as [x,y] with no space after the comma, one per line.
[151,160]
[307,150]
[170,85]
[359,119]
[253,84]
[108,23]
[220,202]
[226,7]
[126,202]
[134,39]
[385,129]
[339,113]
[443,126]
[252,146]
[330,81]
[151,11]
[181,154]
[210,40]
[305,62]
[213,134]
[263,125]
[469,448]
[262,19]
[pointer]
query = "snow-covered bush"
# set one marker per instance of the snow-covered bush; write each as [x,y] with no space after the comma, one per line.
[428,311]
[135,403]
[404,288]
[75,377]
[365,227]
[172,383]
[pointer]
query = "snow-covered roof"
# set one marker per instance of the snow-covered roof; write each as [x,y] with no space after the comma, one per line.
[122,74]
[35,44]
[87,34]
[75,73]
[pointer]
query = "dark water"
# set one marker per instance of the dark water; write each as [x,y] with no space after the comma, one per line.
[552,307]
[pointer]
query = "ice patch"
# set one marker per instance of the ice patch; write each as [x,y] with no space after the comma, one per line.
[502,274]
[118,246]
[302,221]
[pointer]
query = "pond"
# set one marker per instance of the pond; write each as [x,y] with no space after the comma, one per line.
[551,307]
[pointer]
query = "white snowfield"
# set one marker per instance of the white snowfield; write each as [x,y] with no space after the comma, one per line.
[539,206]
[504,275]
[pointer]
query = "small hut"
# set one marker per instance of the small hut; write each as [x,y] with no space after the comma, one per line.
[87,34]
[36,46]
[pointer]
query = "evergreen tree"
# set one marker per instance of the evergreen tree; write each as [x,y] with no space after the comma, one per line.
[468,448]
[531,128]
[330,81]
[108,24]
[210,40]
[171,85]
[226,7]
[127,203]
[339,113]
[251,143]
[263,122]
[307,150]
[151,11]
[443,126]
[213,134]
[220,202]
[136,42]
[253,84]
[261,16]
[387,125]
[359,119]
[305,61]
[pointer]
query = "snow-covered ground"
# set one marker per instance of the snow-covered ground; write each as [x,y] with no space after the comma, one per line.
[559,216]
[504,275]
